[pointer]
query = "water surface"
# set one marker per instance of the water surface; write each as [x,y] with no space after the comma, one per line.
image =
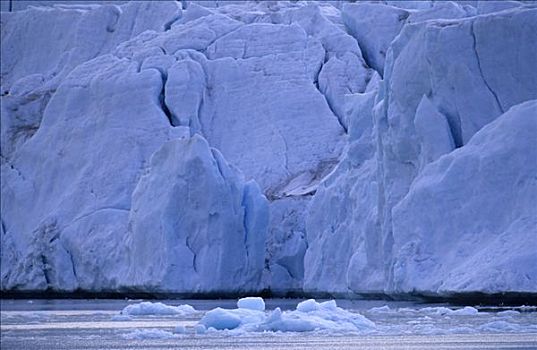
[93,324]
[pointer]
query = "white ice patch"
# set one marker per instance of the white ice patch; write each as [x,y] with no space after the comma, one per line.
[251,303]
[220,319]
[311,305]
[149,308]
[308,316]
[200,329]
[465,311]
[380,310]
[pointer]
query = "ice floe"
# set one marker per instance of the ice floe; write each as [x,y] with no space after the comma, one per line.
[149,308]
[309,315]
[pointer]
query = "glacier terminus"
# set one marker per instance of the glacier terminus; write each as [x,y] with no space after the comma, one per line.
[282,147]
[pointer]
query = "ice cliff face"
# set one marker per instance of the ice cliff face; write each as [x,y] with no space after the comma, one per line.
[207,223]
[225,147]
[461,78]
[494,247]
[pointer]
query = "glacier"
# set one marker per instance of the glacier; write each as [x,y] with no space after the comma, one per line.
[331,147]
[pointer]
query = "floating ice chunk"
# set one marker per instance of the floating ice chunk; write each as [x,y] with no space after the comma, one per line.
[309,316]
[221,319]
[307,306]
[275,322]
[200,329]
[329,305]
[381,309]
[311,305]
[407,310]
[251,303]
[508,313]
[467,310]
[140,334]
[149,308]
[436,310]
[526,308]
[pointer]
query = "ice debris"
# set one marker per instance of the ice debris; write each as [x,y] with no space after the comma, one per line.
[465,311]
[149,308]
[251,303]
[309,315]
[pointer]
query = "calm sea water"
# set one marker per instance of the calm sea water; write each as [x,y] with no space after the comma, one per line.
[90,324]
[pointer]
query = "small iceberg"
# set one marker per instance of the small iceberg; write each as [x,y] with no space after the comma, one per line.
[309,315]
[147,308]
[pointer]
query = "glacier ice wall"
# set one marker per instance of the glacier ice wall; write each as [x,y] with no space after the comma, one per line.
[493,248]
[421,113]
[206,224]
[41,46]
[75,177]
[372,147]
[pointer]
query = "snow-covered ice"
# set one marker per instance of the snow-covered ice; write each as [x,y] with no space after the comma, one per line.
[467,310]
[380,309]
[251,303]
[149,308]
[308,316]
